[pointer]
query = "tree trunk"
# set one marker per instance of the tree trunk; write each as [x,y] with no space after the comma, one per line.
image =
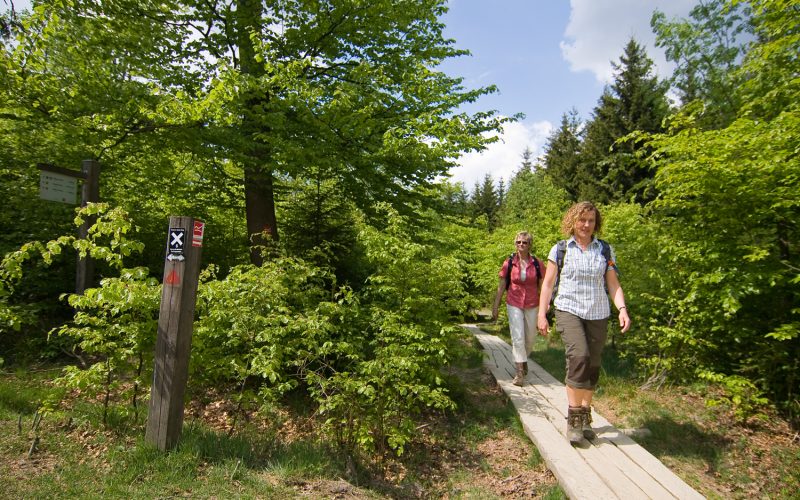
[260,211]
[258,179]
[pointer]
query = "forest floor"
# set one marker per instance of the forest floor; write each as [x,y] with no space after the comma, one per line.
[481,452]
[691,429]
[477,452]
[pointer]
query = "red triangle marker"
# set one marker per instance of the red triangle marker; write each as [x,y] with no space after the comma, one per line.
[173,278]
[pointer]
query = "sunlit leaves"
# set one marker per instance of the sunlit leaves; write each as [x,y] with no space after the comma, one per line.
[729,205]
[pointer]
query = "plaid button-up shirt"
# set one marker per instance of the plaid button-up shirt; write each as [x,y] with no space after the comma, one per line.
[581,287]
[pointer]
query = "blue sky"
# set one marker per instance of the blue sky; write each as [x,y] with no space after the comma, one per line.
[545,56]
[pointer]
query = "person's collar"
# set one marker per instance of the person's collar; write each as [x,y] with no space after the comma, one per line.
[572,240]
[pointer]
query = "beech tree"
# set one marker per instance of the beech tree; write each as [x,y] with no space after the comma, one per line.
[707,48]
[729,206]
[257,91]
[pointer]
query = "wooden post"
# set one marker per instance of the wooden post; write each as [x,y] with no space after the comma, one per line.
[173,343]
[84,275]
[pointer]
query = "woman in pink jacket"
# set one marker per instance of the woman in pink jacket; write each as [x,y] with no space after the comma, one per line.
[522,300]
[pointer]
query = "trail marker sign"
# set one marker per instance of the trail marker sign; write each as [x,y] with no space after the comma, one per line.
[177,238]
[174,339]
[197,233]
[61,184]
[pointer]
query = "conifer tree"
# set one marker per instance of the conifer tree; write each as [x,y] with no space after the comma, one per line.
[527,164]
[610,169]
[561,157]
[485,201]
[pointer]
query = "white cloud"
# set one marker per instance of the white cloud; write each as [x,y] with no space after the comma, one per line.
[504,157]
[598,31]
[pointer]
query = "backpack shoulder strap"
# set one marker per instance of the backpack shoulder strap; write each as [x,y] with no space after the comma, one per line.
[561,251]
[538,268]
[508,270]
[606,249]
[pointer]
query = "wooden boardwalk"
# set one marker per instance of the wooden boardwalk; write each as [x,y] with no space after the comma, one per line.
[610,466]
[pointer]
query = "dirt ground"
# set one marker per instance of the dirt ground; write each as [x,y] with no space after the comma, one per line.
[503,464]
[723,459]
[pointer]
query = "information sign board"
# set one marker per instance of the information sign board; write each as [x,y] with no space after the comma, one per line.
[58,187]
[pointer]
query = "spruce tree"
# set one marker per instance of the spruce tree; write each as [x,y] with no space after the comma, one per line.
[610,169]
[527,164]
[485,201]
[561,154]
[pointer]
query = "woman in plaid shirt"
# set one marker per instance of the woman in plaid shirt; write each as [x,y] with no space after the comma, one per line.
[582,309]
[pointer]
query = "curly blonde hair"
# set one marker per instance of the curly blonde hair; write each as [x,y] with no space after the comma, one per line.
[574,213]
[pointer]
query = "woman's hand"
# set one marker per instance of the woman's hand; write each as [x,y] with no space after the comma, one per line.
[618,297]
[498,296]
[542,324]
[624,319]
[545,291]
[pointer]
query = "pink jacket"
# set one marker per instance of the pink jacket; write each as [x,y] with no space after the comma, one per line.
[522,294]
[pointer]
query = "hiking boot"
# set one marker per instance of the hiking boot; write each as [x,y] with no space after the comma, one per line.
[575,425]
[586,422]
[525,368]
[519,378]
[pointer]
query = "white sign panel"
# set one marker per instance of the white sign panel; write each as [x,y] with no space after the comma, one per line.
[58,187]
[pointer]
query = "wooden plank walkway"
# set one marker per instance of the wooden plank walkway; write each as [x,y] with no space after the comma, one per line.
[610,466]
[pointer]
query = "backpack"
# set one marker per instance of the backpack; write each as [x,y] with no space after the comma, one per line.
[535,264]
[561,251]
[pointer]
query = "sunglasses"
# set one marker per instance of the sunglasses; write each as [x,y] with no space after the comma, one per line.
[523,242]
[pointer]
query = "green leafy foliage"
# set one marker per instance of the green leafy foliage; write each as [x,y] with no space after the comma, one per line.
[337,125]
[405,340]
[707,49]
[536,203]
[106,240]
[114,330]
[728,211]
[741,394]
[267,324]
[115,324]
[370,361]
[216,114]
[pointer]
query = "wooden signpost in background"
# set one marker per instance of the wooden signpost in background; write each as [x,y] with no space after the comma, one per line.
[174,340]
[84,276]
[60,184]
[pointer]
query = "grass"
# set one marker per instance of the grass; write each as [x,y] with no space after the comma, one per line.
[459,455]
[76,457]
[706,446]
[464,454]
